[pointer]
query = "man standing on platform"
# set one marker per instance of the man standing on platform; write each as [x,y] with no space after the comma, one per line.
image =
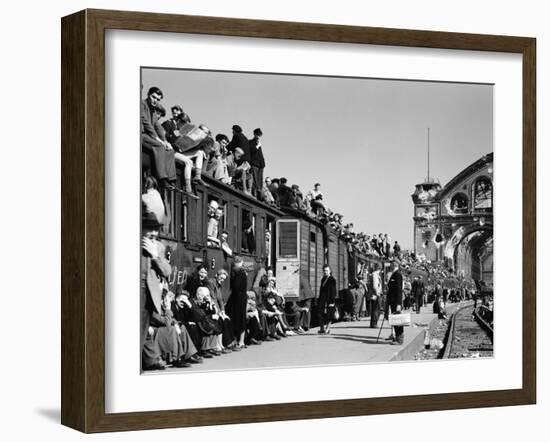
[418,292]
[375,291]
[327,297]
[395,300]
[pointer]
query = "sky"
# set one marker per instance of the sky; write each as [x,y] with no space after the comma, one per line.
[365,140]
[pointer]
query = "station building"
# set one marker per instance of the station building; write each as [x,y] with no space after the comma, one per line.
[453,224]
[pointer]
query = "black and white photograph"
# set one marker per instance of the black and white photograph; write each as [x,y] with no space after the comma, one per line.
[303,221]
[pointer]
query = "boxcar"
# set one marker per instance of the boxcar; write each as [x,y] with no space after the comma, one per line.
[300,255]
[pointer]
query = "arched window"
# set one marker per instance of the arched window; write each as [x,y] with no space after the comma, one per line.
[483,194]
[459,203]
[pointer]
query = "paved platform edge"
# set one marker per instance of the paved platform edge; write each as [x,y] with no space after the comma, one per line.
[412,348]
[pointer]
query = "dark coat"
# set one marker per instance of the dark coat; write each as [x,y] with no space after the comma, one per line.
[285,195]
[239,140]
[327,292]
[417,288]
[395,289]
[170,126]
[193,283]
[256,154]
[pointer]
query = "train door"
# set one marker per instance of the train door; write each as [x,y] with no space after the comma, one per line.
[288,257]
[270,238]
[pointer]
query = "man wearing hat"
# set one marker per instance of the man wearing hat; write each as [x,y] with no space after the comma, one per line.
[257,163]
[395,299]
[155,268]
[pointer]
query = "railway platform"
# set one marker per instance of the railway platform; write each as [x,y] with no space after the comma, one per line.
[348,343]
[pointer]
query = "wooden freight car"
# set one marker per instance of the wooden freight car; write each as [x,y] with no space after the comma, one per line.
[300,255]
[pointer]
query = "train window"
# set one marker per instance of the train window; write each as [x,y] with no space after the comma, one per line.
[184,227]
[312,236]
[169,204]
[288,239]
[248,238]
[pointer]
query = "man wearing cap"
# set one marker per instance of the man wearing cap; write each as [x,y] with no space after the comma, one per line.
[154,141]
[395,299]
[155,268]
[257,163]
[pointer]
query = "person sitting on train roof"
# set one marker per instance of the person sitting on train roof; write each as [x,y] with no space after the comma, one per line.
[152,140]
[267,196]
[217,164]
[274,189]
[239,170]
[193,160]
[173,125]
[239,140]
[298,198]
[284,192]
[257,162]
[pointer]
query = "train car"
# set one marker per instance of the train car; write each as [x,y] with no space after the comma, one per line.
[300,255]
[337,259]
[186,233]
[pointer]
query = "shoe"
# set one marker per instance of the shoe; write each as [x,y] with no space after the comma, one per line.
[195,359]
[206,355]
[268,339]
[290,333]
[277,337]
[159,365]
[321,332]
[225,351]
[181,364]
[215,352]
[254,341]
[396,343]
[191,194]
[198,180]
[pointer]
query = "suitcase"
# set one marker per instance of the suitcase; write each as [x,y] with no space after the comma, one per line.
[400,319]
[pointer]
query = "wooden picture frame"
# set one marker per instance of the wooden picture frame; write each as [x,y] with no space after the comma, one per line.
[83,220]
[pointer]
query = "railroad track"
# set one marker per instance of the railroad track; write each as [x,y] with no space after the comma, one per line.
[469,335]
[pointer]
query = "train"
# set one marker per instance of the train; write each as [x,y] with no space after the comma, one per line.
[294,244]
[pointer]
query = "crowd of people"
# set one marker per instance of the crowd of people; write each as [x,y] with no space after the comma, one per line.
[196,322]
[238,162]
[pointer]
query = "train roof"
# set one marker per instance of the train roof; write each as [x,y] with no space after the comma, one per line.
[218,185]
